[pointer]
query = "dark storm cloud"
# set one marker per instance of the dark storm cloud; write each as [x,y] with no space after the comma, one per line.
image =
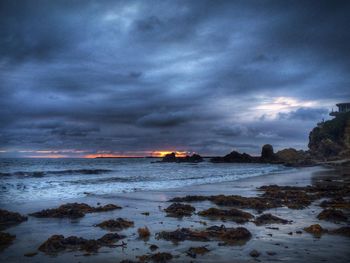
[206,76]
[305,114]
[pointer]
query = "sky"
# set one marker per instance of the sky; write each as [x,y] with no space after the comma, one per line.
[140,78]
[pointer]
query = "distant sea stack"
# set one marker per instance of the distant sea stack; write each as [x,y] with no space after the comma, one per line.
[171,158]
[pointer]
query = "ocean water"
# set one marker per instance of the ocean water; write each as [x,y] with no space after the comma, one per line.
[47,179]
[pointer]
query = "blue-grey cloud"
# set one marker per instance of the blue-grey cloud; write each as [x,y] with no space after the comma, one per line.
[191,75]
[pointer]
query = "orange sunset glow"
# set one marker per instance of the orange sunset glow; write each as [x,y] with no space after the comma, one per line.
[163,153]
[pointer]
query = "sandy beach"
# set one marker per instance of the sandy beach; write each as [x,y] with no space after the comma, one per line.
[274,242]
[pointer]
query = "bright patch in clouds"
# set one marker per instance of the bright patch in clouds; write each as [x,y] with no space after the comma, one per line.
[270,108]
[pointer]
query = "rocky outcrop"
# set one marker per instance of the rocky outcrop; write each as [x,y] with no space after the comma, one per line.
[73,210]
[331,139]
[116,225]
[289,157]
[58,243]
[179,210]
[235,157]
[267,153]
[6,240]
[230,236]
[171,158]
[8,218]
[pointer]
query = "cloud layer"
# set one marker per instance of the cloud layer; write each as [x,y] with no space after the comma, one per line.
[82,77]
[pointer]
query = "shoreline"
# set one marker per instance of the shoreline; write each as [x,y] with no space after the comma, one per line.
[35,231]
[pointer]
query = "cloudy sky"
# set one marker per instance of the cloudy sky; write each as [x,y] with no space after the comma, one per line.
[79,78]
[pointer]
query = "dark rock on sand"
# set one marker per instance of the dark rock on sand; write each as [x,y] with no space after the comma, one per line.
[232,236]
[110,238]
[159,257]
[233,214]
[8,218]
[116,224]
[179,210]
[316,230]
[153,247]
[191,198]
[292,197]
[338,202]
[183,234]
[332,215]
[257,203]
[58,243]
[30,254]
[6,240]
[73,210]
[343,231]
[269,219]
[254,253]
[194,251]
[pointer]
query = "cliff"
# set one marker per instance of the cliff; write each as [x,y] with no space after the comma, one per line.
[331,139]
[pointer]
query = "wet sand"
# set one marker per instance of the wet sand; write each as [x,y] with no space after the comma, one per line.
[284,246]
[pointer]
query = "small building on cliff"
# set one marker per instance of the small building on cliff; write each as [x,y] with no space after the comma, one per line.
[342,108]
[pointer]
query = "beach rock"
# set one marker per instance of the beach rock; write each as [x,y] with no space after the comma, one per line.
[292,197]
[153,247]
[194,251]
[179,210]
[160,257]
[53,245]
[144,232]
[116,224]
[343,231]
[254,253]
[231,236]
[58,243]
[269,219]
[235,157]
[8,218]
[267,153]
[73,210]
[183,234]
[30,254]
[271,253]
[6,240]
[191,198]
[110,238]
[332,215]
[235,215]
[338,202]
[257,203]
[316,230]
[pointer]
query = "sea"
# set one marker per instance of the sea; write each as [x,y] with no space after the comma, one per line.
[36,179]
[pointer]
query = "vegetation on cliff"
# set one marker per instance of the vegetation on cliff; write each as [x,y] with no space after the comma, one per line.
[331,138]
